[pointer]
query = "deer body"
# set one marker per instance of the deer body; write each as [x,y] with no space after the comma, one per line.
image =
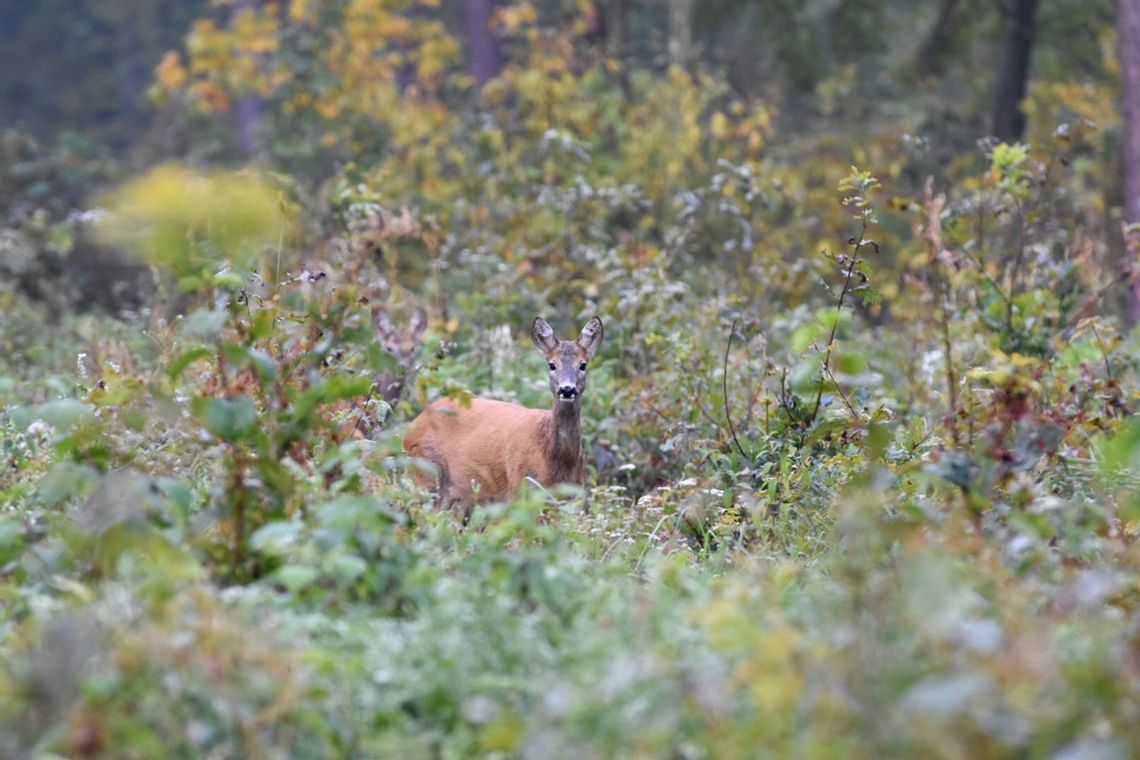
[485,450]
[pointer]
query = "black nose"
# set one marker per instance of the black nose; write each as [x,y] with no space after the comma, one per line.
[567,391]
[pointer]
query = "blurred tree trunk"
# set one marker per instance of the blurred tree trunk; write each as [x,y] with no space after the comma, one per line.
[1128,28]
[613,30]
[484,51]
[935,50]
[615,24]
[1016,49]
[249,107]
[680,31]
[136,74]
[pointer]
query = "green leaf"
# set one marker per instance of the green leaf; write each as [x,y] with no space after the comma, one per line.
[827,426]
[1036,525]
[262,324]
[295,577]
[342,387]
[1119,460]
[380,360]
[185,359]
[804,336]
[206,324]
[228,278]
[1121,451]
[832,319]
[275,536]
[346,568]
[64,481]
[361,335]
[188,283]
[13,539]
[230,418]
[261,362]
[336,388]
[347,511]
[805,375]
[879,436]
[63,414]
[20,416]
[849,363]
[178,494]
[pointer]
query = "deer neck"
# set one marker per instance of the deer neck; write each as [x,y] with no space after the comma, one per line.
[565,440]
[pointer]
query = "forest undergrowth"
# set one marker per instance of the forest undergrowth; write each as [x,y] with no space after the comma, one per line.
[863,446]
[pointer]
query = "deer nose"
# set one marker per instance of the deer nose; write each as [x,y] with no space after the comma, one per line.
[567,392]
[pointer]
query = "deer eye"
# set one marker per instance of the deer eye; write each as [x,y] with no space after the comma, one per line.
[582,367]
[551,365]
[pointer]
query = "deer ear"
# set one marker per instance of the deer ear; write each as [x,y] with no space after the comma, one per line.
[543,335]
[591,336]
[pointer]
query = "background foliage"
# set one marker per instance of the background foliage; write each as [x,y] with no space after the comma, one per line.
[862,439]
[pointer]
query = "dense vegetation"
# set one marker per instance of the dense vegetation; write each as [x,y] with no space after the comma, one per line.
[864,457]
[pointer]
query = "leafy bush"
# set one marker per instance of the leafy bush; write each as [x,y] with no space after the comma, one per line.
[863,444]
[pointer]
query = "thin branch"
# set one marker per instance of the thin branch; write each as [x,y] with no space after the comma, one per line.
[947,344]
[1092,302]
[842,395]
[1103,353]
[724,381]
[933,234]
[856,248]
[976,259]
[1018,263]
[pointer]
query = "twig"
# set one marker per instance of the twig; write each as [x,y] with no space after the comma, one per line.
[1103,353]
[1092,301]
[948,346]
[855,249]
[787,401]
[648,543]
[842,395]
[724,381]
[1018,262]
[933,234]
[280,245]
[986,276]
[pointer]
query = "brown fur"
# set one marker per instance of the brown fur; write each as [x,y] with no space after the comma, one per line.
[484,451]
[475,470]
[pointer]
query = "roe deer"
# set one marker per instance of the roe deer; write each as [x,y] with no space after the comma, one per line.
[485,450]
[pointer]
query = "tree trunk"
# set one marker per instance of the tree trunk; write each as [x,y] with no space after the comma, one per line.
[1016,48]
[1128,28]
[680,31]
[484,52]
[136,74]
[935,50]
[614,31]
[249,106]
[615,20]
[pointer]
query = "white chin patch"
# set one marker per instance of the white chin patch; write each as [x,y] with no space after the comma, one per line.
[565,400]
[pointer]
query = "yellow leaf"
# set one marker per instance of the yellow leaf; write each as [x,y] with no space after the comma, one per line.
[505,734]
[298,10]
[719,125]
[210,96]
[171,74]
[188,221]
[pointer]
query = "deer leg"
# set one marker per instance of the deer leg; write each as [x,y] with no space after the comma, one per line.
[455,505]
